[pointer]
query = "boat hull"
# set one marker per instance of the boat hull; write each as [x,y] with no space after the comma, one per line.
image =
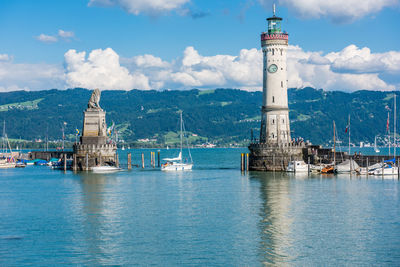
[177,167]
[105,169]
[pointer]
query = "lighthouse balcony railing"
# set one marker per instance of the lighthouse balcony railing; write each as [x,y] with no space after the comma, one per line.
[273,36]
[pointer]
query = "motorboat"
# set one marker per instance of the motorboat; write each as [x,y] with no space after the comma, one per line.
[105,169]
[388,168]
[297,166]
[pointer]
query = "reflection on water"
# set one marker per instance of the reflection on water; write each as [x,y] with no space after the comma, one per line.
[98,210]
[327,220]
[275,225]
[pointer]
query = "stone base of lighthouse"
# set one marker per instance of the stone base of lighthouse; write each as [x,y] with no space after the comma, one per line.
[264,157]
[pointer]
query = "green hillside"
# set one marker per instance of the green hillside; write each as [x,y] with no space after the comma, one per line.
[223,115]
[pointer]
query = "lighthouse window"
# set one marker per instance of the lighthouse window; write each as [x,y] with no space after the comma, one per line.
[281,52]
[273,121]
[273,51]
[282,84]
[273,99]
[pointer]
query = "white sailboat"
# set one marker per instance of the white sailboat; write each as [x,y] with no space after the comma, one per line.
[6,160]
[176,164]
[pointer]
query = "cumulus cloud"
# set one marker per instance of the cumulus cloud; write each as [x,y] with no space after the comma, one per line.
[356,60]
[101,69]
[46,38]
[136,7]
[337,10]
[316,70]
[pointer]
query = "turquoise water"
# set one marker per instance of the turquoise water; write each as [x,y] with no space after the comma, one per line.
[212,215]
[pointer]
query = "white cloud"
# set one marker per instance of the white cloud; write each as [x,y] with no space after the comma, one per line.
[66,34]
[102,70]
[24,76]
[336,10]
[146,61]
[46,38]
[4,57]
[136,7]
[305,70]
[354,59]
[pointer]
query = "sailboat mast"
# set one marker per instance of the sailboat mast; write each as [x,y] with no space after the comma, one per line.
[349,134]
[334,143]
[181,136]
[394,130]
[3,144]
[389,132]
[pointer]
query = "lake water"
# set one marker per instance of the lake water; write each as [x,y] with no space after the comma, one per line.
[213,215]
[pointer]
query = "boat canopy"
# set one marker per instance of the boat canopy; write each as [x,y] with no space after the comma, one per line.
[391,160]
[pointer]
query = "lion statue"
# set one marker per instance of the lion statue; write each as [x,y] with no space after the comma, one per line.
[95,99]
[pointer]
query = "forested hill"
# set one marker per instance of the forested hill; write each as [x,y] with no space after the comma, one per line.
[222,115]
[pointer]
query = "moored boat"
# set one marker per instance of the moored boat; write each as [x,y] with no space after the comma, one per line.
[346,166]
[297,166]
[105,169]
[176,164]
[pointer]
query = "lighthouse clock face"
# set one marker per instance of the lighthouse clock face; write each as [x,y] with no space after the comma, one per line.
[272,68]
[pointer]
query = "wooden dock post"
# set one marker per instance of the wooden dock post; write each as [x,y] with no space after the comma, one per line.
[116,160]
[247,161]
[129,161]
[65,162]
[74,163]
[158,159]
[87,161]
[142,160]
[308,170]
[367,166]
[242,161]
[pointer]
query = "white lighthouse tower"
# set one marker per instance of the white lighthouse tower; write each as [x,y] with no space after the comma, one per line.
[275,127]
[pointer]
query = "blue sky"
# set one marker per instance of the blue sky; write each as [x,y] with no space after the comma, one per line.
[184,44]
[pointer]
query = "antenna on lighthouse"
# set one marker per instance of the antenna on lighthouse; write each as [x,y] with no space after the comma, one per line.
[273,7]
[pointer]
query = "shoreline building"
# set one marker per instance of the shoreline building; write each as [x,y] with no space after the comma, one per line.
[275,148]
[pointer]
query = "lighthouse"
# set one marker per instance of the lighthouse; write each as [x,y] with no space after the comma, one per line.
[274,149]
[275,127]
